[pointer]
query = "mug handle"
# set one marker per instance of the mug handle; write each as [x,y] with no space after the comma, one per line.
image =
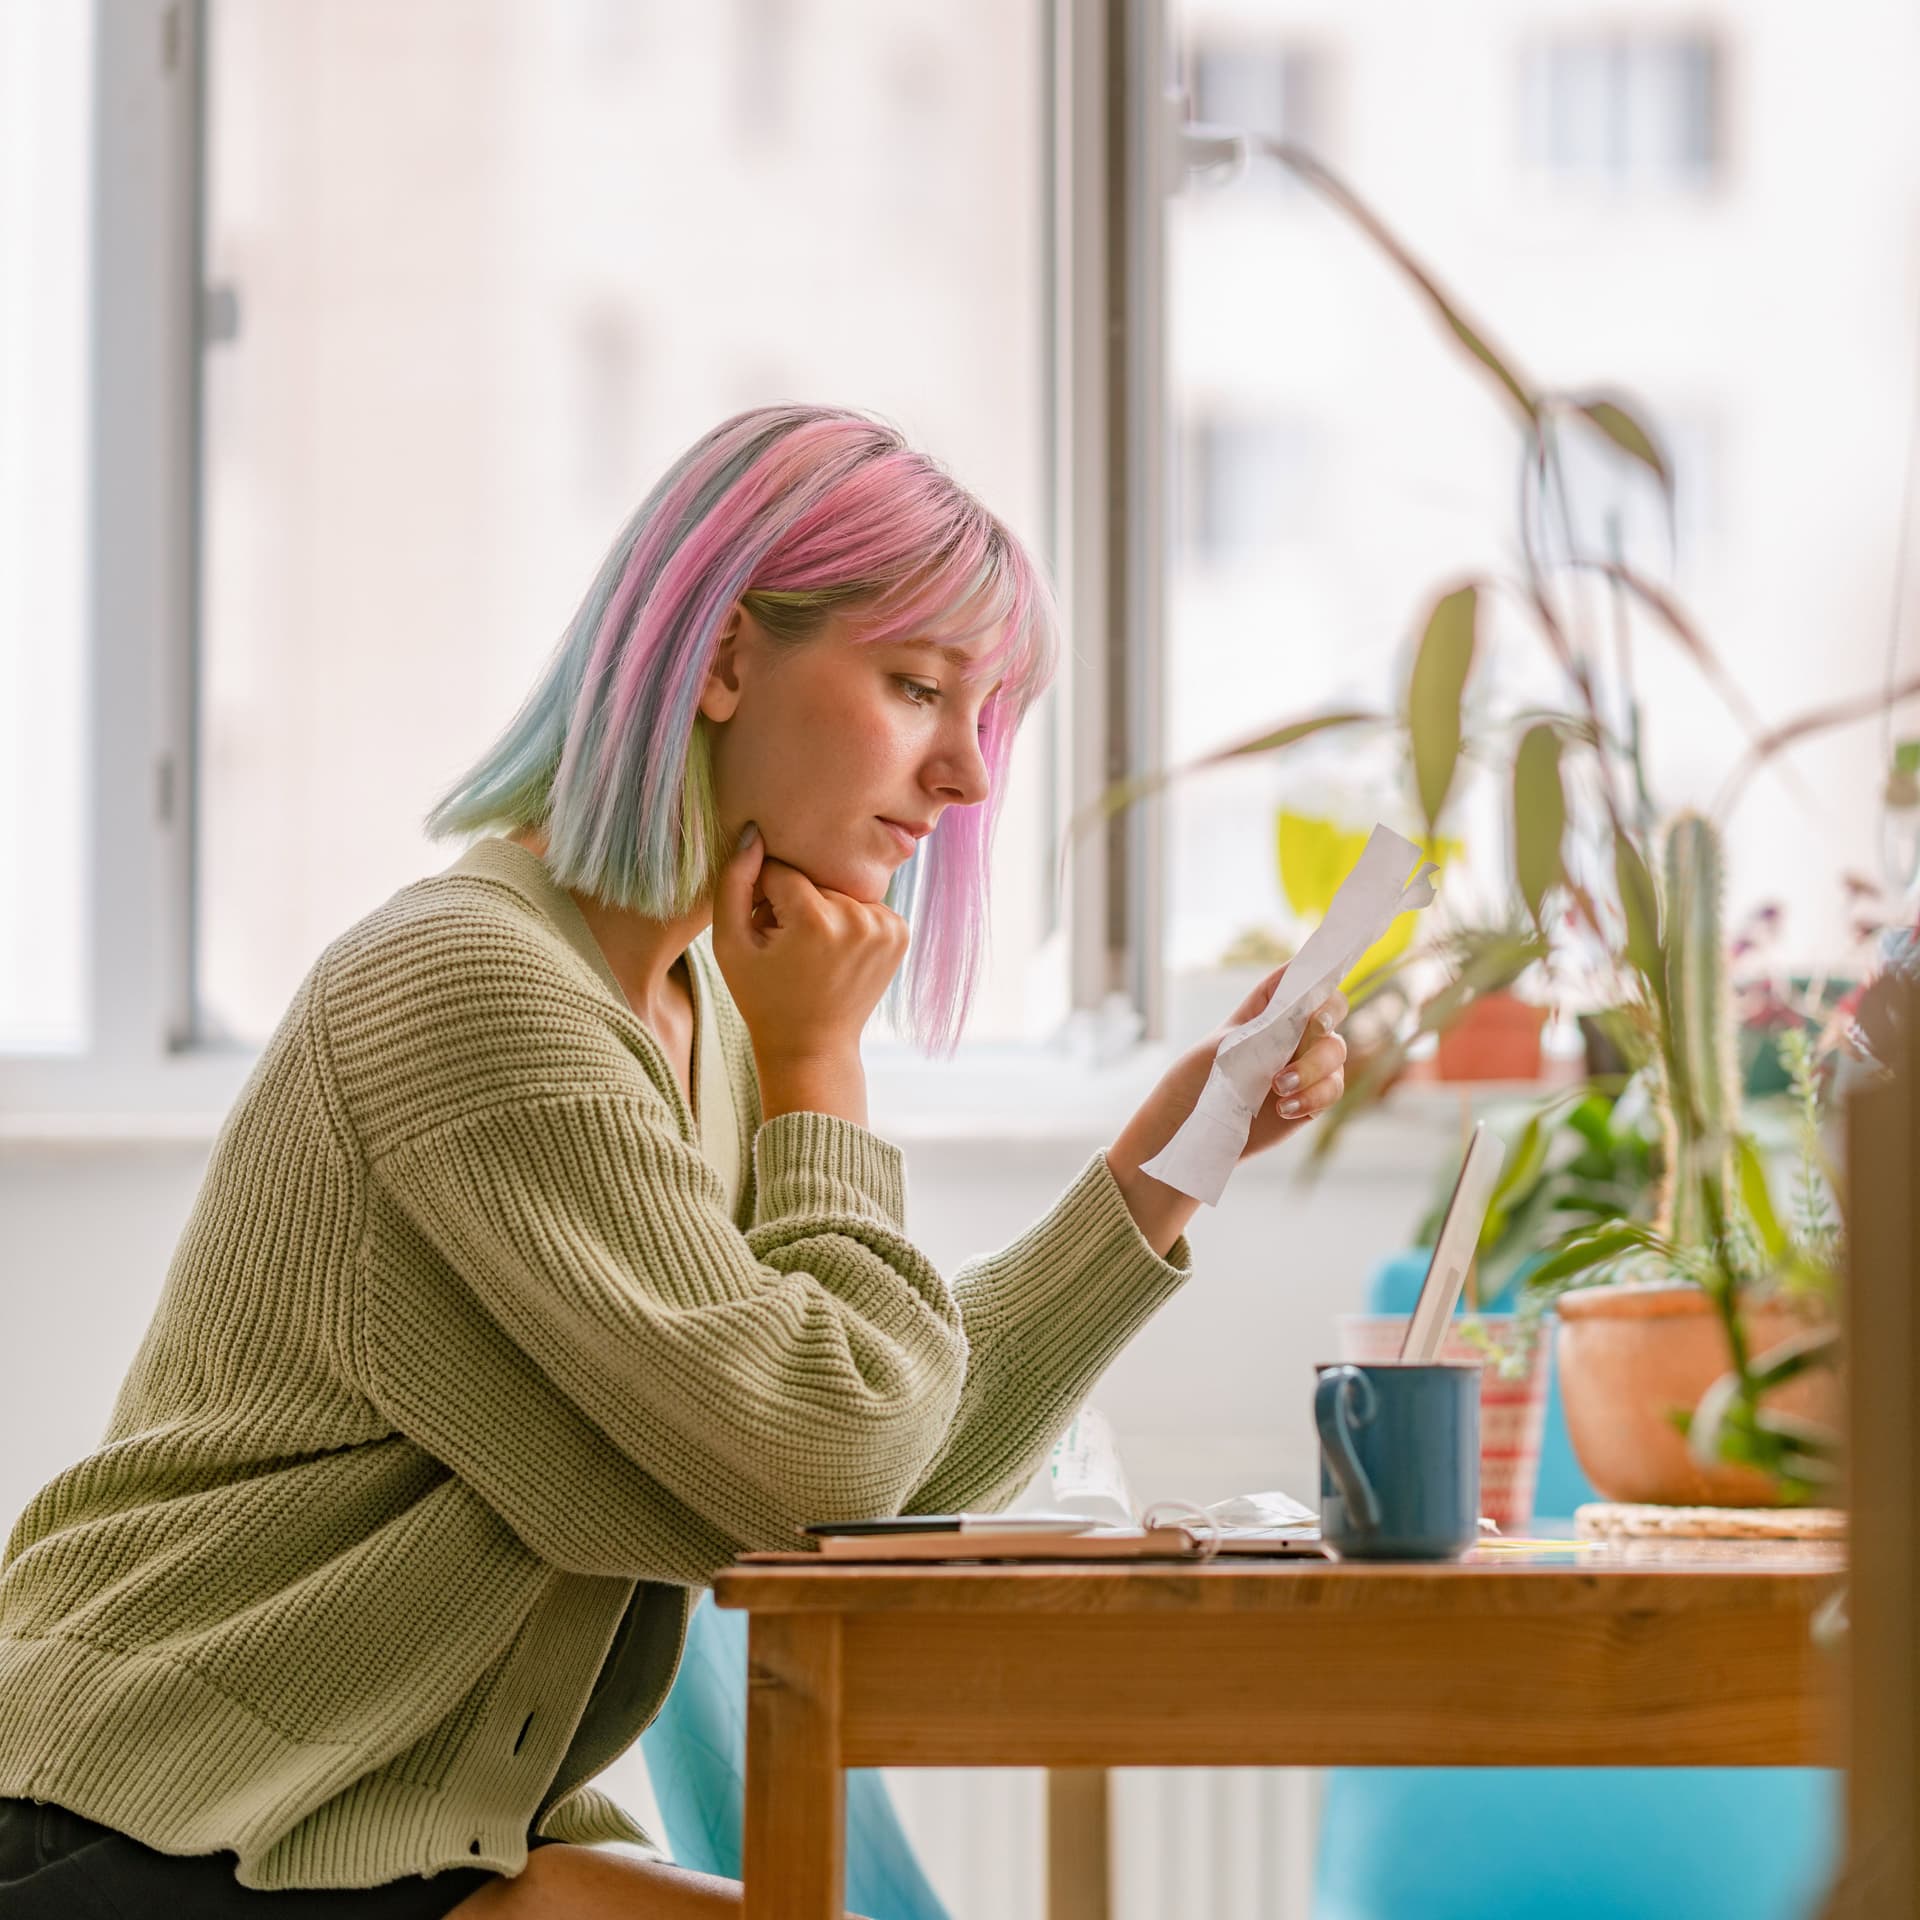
[1342,1401]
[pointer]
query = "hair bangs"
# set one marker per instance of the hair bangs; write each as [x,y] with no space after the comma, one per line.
[796,513]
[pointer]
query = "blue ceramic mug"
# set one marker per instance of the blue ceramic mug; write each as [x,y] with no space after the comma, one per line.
[1399,1460]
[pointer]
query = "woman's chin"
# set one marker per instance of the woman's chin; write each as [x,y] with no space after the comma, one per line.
[864,880]
[870,885]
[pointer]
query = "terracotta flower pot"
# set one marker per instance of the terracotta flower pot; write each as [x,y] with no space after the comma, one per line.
[1496,1038]
[1631,1353]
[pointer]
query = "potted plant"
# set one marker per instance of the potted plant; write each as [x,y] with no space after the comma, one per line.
[1605,888]
[1585,1157]
[1495,1037]
[1712,1274]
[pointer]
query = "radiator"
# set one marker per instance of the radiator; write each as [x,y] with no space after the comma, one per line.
[1189,1843]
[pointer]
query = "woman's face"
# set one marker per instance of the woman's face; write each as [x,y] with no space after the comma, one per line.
[824,744]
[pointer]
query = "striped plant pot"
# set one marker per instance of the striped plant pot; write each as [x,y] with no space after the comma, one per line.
[1513,1413]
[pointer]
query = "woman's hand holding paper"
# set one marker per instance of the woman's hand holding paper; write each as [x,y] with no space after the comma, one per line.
[1309,1083]
[1391,878]
[1318,1069]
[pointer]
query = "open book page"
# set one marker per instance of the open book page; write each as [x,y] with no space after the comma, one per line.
[1086,1477]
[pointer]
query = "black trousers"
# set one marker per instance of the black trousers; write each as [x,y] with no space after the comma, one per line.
[56,1866]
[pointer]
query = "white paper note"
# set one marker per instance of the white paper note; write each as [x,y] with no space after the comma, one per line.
[1198,1159]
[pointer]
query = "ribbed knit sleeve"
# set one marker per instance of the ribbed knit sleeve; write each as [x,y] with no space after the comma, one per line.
[646,1388]
[1045,1317]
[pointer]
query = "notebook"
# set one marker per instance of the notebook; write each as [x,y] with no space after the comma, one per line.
[1104,1543]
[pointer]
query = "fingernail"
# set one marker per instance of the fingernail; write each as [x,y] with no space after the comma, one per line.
[1291,1109]
[748,835]
[1287,1083]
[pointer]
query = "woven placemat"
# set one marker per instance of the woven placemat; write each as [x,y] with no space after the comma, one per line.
[1615,1520]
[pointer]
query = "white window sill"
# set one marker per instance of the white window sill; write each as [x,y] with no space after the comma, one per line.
[972,1109]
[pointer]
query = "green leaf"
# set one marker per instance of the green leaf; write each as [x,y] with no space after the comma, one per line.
[1729,1424]
[1592,1120]
[1586,1252]
[1751,1173]
[1799,1353]
[1470,338]
[1628,435]
[1273,739]
[1125,793]
[1640,902]
[1595,1208]
[1439,681]
[1517,1178]
[1716,1421]
[1486,963]
[1529,1156]
[1539,816]
[1798,1449]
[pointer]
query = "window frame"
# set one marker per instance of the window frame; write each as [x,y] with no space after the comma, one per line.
[147,1071]
[141,521]
[1115,137]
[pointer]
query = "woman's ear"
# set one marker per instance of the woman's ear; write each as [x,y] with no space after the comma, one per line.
[721,695]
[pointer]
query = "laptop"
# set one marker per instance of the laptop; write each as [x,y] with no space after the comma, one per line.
[1453,1252]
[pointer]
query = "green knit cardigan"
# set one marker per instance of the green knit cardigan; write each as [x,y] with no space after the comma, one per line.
[465,1378]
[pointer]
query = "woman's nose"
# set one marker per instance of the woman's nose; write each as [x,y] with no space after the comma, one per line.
[961,778]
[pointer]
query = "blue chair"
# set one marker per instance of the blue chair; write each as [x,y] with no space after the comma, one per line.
[696,1754]
[1570,1843]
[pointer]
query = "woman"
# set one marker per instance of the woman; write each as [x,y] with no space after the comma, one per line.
[546,1262]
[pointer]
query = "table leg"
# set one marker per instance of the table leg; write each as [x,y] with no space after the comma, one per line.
[1077,1844]
[795,1862]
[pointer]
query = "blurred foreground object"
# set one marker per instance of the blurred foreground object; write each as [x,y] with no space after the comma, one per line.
[1881,1880]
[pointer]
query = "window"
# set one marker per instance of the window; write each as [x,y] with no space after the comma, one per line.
[45,132]
[1615,505]
[1253,482]
[1278,89]
[1625,110]
[471,275]
[494,266]
[1759,334]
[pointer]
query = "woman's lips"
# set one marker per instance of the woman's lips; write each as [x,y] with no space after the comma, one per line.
[906,840]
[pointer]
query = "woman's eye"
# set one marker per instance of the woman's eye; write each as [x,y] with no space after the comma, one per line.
[919,692]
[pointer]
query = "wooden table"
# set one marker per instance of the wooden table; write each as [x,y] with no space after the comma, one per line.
[1626,1657]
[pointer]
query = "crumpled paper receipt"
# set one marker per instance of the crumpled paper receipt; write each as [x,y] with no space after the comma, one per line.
[1198,1159]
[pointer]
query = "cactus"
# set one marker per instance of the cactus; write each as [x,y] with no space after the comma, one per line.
[1698,1091]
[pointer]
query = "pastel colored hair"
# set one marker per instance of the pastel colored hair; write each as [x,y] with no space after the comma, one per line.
[796,513]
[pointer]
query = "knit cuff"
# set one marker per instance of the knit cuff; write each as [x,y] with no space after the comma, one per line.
[1113,1279]
[809,1164]
[1046,1317]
